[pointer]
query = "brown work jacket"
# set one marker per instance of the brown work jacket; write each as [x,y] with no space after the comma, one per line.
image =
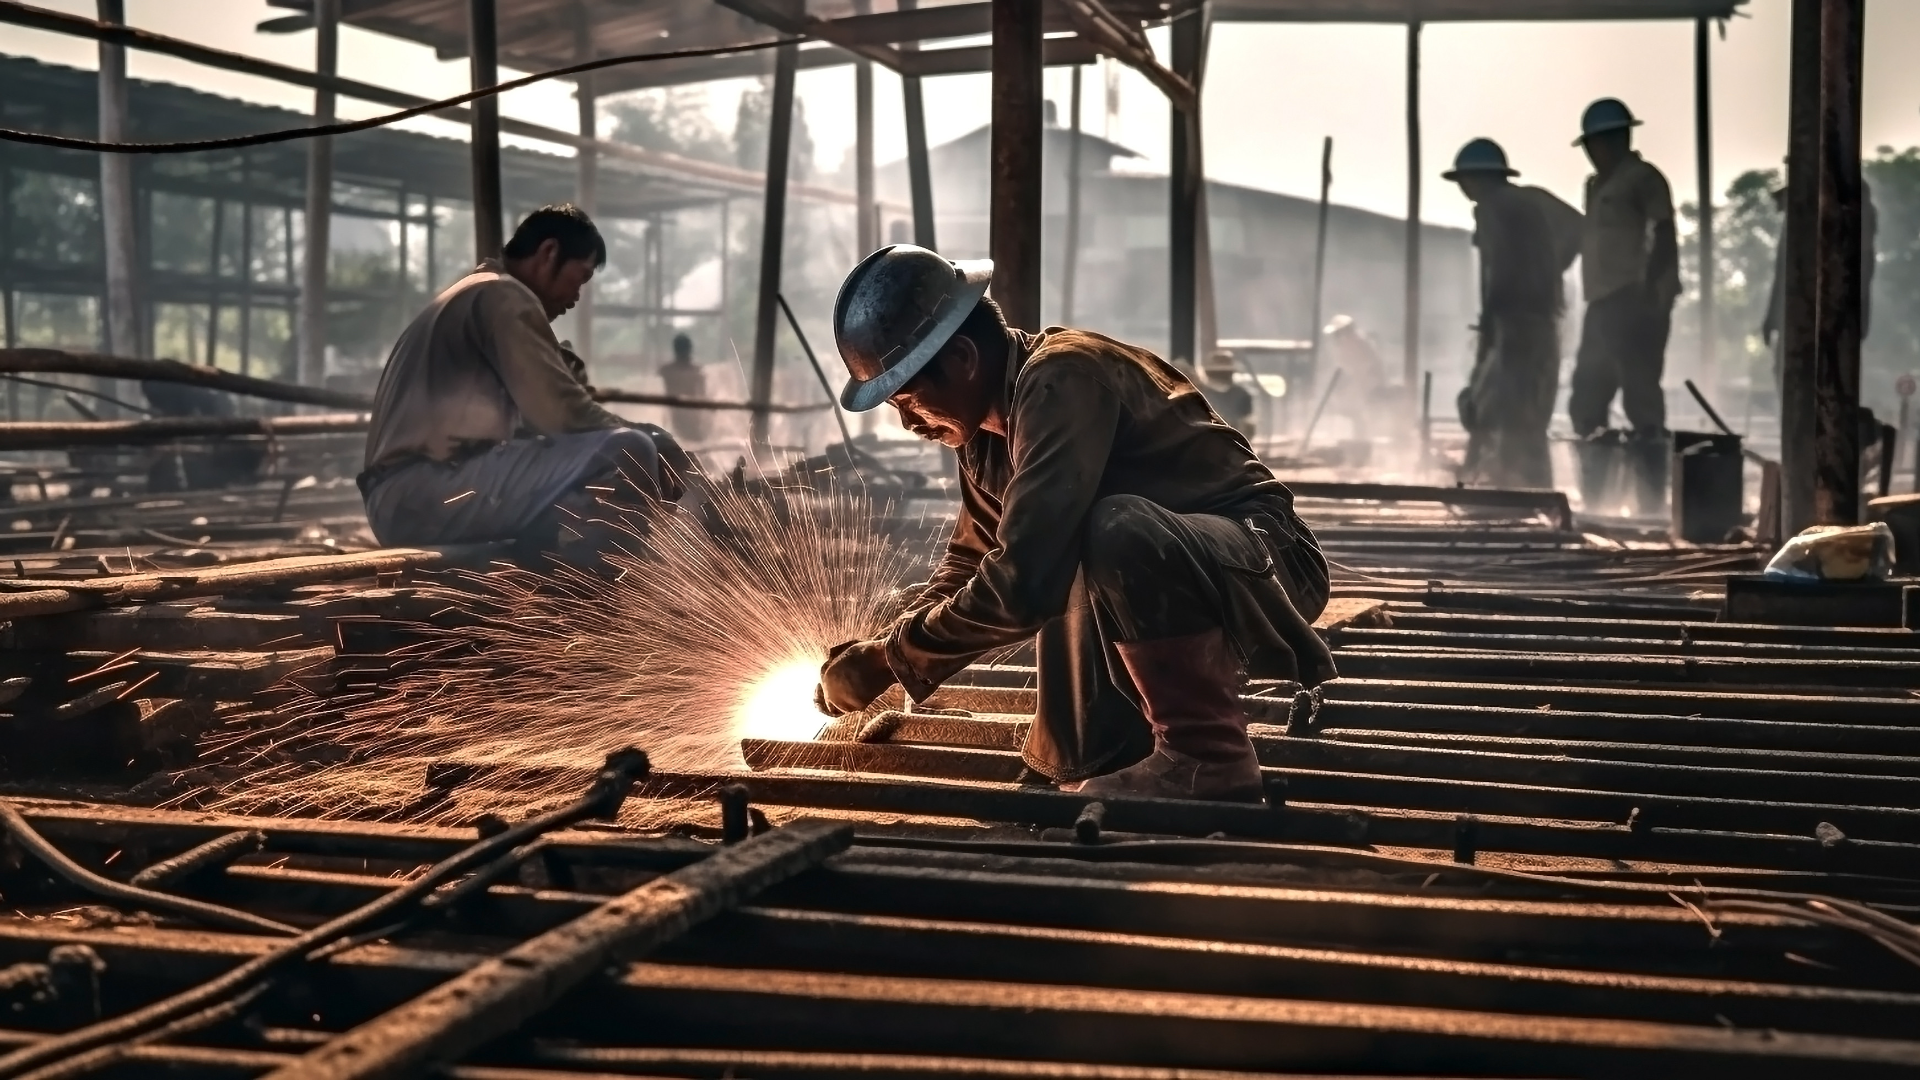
[1087,417]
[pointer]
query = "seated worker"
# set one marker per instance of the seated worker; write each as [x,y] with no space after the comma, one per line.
[1106,511]
[484,426]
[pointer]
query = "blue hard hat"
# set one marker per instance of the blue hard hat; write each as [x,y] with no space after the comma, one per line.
[1607,114]
[895,311]
[1480,156]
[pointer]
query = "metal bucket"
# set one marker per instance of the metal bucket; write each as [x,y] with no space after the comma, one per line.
[1708,486]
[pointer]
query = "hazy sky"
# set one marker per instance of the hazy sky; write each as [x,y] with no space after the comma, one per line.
[1272,92]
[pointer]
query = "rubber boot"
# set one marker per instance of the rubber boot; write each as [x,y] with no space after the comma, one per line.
[1651,452]
[1596,454]
[1190,690]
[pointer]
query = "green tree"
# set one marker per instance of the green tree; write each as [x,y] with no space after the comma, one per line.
[1893,340]
[1746,233]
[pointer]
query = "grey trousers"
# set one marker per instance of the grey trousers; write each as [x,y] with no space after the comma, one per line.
[1147,573]
[507,493]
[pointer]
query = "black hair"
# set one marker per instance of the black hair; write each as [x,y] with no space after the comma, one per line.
[565,224]
[986,327]
[986,324]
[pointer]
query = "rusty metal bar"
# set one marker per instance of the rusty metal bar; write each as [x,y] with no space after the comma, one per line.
[504,992]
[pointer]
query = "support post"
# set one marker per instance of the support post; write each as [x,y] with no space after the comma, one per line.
[483,55]
[319,214]
[213,274]
[1320,255]
[1183,210]
[1015,176]
[117,206]
[1820,378]
[773,226]
[587,193]
[1070,253]
[1410,356]
[866,225]
[1703,159]
[919,169]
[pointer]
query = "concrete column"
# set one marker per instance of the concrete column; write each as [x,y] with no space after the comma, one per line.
[1014,170]
[773,226]
[319,214]
[483,54]
[117,207]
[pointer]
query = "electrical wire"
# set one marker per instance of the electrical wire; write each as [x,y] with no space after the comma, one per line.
[347,127]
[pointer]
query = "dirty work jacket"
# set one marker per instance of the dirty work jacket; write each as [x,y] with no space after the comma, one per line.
[477,367]
[1623,209]
[1087,417]
[1519,272]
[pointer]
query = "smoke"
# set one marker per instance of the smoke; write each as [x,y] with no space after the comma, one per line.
[532,677]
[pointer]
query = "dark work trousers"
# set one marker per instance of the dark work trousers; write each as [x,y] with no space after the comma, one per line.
[1510,398]
[1623,348]
[1148,573]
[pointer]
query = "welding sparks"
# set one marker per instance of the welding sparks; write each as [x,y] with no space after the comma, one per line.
[780,704]
[531,678]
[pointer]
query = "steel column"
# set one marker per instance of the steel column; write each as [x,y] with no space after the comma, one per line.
[1015,176]
[117,206]
[587,193]
[1820,379]
[1410,357]
[1183,189]
[1703,163]
[919,171]
[319,213]
[1070,246]
[483,57]
[772,235]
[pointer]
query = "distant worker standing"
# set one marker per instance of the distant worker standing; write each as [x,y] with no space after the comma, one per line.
[1508,401]
[684,379]
[1630,268]
[1232,401]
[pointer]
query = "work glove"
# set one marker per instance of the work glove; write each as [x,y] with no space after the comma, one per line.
[856,672]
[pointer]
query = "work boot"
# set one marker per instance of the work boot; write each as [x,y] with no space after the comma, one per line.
[1651,451]
[1190,690]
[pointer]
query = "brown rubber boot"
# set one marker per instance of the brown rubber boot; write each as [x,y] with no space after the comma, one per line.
[1190,690]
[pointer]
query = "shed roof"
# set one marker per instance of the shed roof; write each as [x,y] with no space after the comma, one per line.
[540,35]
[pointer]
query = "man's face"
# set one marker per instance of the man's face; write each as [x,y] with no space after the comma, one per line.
[556,280]
[1606,149]
[1475,186]
[948,400]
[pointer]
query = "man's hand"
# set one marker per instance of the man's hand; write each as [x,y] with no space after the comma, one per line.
[855,673]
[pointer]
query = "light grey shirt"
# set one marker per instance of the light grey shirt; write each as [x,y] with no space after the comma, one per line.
[479,366]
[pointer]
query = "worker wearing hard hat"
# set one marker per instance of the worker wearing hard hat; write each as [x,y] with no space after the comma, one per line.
[1526,238]
[1107,513]
[1232,401]
[1630,270]
[484,426]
